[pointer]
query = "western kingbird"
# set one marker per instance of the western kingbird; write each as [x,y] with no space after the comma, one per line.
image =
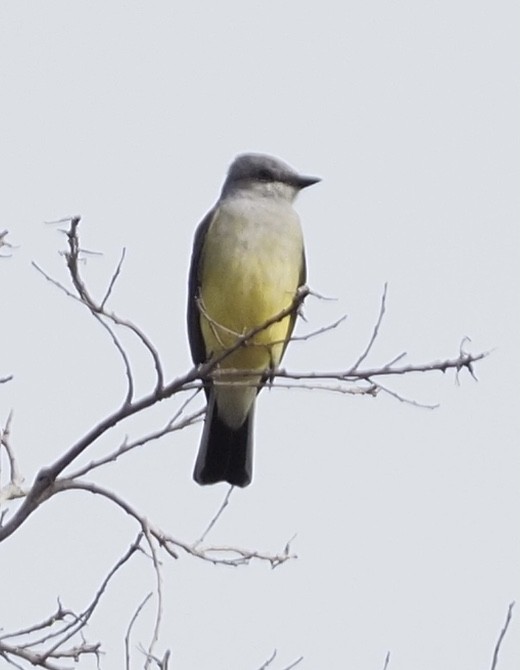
[247,264]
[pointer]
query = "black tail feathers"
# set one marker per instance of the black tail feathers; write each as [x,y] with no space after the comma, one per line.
[225,454]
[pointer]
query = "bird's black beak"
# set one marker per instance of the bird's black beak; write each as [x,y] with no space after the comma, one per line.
[303,182]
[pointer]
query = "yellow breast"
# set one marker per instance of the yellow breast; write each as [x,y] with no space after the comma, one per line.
[250,271]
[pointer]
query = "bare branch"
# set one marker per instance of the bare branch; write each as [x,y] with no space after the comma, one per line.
[113,279]
[69,625]
[10,661]
[42,487]
[269,661]
[170,427]
[162,663]
[214,520]
[222,555]
[61,627]
[371,390]
[59,615]
[5,244]
[407,401]
[72,257]
[236,556]
[462,352]
[15,477]
[147,528]
[32,657]
[45,659]
[13,489]
[509,615]
[319,331]
[375,332]
[462,361]
[159,609]
[55,282]
[129,629]
[113,336]
[84,617]
[44,479]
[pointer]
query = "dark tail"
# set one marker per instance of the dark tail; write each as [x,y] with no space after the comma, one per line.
[225,454]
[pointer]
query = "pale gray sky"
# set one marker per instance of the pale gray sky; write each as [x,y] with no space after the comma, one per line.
[129,113]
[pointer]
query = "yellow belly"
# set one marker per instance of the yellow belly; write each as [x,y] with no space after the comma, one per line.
[250,273]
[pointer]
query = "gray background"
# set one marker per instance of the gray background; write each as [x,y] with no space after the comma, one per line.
[129,113]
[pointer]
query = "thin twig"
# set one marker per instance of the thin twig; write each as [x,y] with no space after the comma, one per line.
[41,488]
[464,361]
[83,295]
[125,358]
[162,663]
[375,332]
[312,334]
[129,629]
[5,243]
[371,389]
[13,489]
[221,555]
[269,661]
[84,617]
[72,263]
[15,477]
[509,615]
[113,279]
[113,336]
[59,615]
[170,427]
[407,401]
[158,589]
[216,517]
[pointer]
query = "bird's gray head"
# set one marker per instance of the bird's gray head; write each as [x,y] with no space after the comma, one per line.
[264,176]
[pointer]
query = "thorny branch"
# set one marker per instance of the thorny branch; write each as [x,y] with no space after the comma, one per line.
[42,487]
[44,643]
[52,479]
[221,555]
[193,379]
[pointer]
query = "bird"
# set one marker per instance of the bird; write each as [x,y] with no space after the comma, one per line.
[247,265]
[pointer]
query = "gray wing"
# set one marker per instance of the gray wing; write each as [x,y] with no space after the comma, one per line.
[197,347]
[301,282]
[198,350]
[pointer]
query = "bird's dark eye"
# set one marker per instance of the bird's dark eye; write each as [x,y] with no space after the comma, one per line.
[265,175]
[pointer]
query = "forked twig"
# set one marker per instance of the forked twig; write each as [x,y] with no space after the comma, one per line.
[129,629]
[375,332]
[69,625]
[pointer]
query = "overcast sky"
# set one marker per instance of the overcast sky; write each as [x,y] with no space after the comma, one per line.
[406,519]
